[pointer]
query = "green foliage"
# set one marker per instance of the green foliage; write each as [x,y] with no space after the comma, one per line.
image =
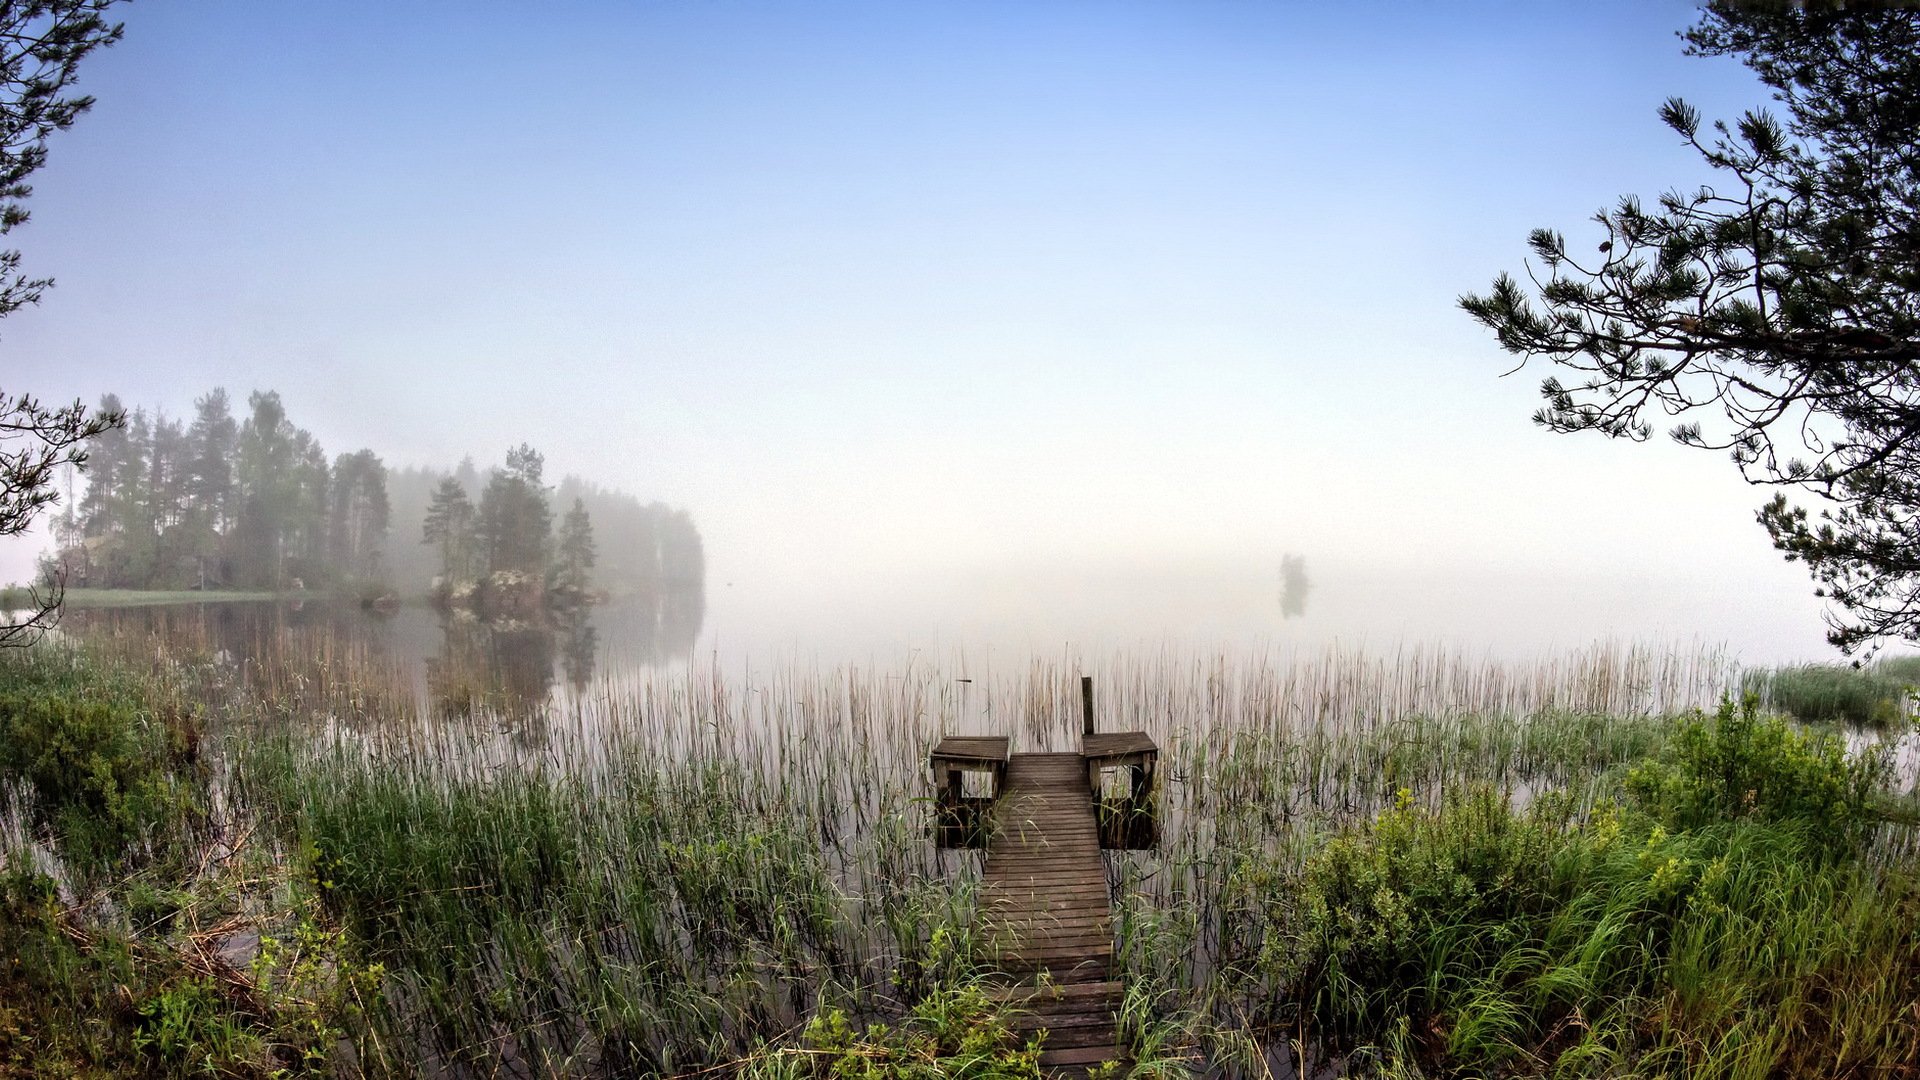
[187,1030]
[317,990]
[88,996]
[1739,765]
[107,967]
[219,504]
[691,913]
[569,576]
[956,1031]
[514,524]
[113,775]
[1374,900]
[449,524]
[1721,901]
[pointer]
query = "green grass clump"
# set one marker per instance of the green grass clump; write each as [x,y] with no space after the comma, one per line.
[96,1001]
[1875,696]
[1741,766]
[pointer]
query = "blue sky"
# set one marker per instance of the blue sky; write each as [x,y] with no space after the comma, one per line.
[935,315]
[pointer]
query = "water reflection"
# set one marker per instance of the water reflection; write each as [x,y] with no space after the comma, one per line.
[457,665]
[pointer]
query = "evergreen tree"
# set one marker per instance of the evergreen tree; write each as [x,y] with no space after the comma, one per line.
[211,442]
[107,469]
[574,554]
[357,522]
[163,506]
[449,523]
[41,45]
[1776,312]
[515,524]
[307,528]
[268,490]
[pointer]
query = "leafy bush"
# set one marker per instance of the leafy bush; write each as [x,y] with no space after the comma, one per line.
[956,1031]
[1720,900]
[1739,765]
[110,767]
[1374,900]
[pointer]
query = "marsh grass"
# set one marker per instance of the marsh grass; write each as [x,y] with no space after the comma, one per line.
[1877,696]
[1420,862]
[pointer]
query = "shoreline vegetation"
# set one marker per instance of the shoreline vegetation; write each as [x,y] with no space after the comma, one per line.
[1418,865]
[95,599]
[112,598]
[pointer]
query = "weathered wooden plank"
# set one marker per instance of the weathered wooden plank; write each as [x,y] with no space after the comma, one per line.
[1059,917]
[971,748]
[1031,992]
[1051,931]
[1115,743]
[1046,909]
[1083,1055]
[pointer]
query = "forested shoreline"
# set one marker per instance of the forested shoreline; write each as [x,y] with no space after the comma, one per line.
[254,502]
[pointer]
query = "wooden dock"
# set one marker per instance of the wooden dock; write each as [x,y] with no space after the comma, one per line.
[1046,908]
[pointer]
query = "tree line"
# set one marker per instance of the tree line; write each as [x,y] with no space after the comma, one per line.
[220,501]
[254,502]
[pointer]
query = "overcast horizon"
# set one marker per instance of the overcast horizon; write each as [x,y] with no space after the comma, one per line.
[1001,325]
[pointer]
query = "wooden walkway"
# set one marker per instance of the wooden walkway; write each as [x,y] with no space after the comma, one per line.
[1045,902]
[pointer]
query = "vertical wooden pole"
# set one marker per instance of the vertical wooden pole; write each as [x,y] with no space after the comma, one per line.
[1086,704]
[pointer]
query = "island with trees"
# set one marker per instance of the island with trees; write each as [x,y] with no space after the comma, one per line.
[225,505]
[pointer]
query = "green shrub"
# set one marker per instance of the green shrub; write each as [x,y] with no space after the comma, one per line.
[956,1031]
[1375,899]
[188,1030]
[1719,901]
[1738,765]
[113,774]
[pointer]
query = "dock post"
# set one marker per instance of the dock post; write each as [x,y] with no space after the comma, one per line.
[1086,704]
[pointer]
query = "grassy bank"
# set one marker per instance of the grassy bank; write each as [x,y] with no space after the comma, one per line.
[81,599]
[1415,867]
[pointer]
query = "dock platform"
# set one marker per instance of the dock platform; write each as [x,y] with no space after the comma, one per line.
[1047,912]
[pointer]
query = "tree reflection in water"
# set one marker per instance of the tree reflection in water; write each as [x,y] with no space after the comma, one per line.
[456,665]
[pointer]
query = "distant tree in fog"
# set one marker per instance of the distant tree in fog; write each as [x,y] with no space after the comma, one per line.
[268,489]
[683,561]
[514,523]
[1782,302]
[1294,586]
[358,519]
[210,443]
[254,504]
[573,557]
[449,525]
[41,45]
